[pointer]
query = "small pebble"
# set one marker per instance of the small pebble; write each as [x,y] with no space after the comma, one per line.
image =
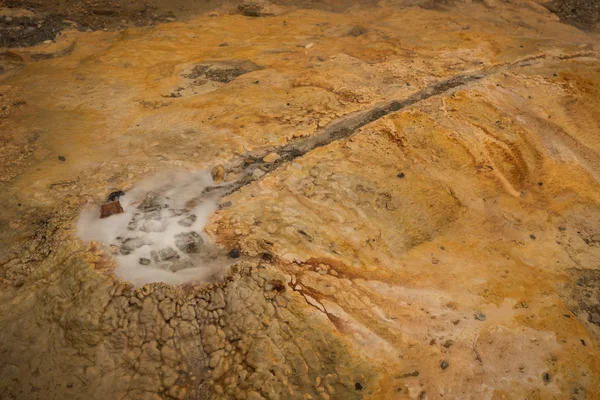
[358,386]
[444,364]
[546,378]
[61,158]
[272,157]
[532,236]
[480,316]
[234,253]
[401,175]
[144,261]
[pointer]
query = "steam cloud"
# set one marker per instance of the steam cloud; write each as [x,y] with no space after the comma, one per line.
[160,233]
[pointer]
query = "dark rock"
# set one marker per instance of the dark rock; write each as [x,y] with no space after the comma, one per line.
[108,209]
[166,254]
[180,264]
[532,236]
[130,244]
[189,242]
[144,261]
[187,221]
[150,202]
[357,31]
[358,386]
[252,9]
[410,374]
[115,195]
[234,253]
[62,158]
[546,377]
[401,175]
[444,364]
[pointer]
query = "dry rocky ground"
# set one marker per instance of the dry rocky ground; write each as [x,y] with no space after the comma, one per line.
[408,193]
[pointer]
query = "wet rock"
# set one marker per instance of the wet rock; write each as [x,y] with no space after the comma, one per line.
[189,242]
[166,254]
[480,316]
[130,244]
[150,202]
[62,158]
[152,225]
[358,386]
[180,264]
[115,195]
[108,209]
[144,261]
[234,253]
[444,364]
[187,221]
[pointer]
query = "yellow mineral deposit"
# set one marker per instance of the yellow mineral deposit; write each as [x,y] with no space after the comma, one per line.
[396,201]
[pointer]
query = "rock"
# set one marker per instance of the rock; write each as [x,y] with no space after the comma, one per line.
[218,173]
[358,386]
[166,254]
[152,225]
[112,208]
[150,202]
[189,242]
[234,253]
[271,157]
[252,9]
[546,378]
[62,158]
[187,221]
[532,236]
[410,374]
[401,175]
[444,364]
[115,195]
[180,264]
[357,31]
[144,261]
[130,244]
[480,316]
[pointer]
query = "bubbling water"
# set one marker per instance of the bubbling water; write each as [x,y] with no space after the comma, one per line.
[160,234]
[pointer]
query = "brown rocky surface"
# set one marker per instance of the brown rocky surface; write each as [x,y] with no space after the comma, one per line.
[408,195]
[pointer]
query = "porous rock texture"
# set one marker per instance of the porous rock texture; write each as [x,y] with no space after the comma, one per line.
[442,247]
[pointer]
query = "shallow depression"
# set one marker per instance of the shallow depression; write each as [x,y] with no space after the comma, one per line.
[159,235]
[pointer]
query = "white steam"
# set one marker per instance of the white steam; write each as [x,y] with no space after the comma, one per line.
[160,233]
